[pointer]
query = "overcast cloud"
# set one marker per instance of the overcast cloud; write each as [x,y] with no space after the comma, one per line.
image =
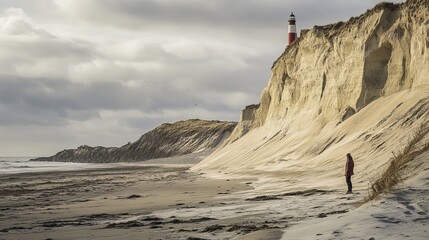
[103,72]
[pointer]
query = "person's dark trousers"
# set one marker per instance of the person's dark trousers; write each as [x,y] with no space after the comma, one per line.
[349,183]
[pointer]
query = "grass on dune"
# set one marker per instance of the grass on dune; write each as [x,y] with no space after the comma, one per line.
[392,176]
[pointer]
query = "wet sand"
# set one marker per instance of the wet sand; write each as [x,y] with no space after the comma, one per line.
[150,202]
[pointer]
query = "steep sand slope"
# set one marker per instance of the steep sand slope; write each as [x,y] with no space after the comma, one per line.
[360,87]
[315,157]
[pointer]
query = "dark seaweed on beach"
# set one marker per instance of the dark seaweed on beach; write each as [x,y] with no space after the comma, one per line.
[304,193]
[14,228]
[133,196]
[125,225]
[248,228]
[263,198]
[213,228]
[151,218]
[196,238]
[193,220]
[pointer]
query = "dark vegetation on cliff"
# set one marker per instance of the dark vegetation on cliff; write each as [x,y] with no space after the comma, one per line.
[167,140]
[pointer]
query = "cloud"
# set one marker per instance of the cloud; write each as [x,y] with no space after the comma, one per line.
[103,72]
[15,22]
[30,51]
[221,16]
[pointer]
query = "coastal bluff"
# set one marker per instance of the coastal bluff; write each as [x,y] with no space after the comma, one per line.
[166,140]
[359,87]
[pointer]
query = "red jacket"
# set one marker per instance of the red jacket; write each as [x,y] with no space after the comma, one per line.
[348,169]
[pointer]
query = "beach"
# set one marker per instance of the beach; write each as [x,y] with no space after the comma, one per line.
[157,201]
[167,201]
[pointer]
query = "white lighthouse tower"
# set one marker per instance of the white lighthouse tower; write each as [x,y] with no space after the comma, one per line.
[291,29]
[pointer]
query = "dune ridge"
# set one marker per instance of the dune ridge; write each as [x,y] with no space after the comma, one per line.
[166,140]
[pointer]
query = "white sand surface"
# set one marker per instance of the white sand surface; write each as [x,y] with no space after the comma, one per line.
[138,201]
[135,201]
[401,214]
[286,160]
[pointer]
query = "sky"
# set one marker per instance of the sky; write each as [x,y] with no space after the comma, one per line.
[104,72]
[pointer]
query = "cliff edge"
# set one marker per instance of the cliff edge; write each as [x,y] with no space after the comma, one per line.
[360,86]
[167,140]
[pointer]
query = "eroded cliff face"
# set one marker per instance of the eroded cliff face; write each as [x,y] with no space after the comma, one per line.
[167,140]
[325,78]
[341,68]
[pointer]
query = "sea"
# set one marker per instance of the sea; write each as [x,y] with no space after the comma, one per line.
[9,165]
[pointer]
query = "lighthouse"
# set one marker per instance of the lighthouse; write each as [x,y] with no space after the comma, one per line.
[291,29]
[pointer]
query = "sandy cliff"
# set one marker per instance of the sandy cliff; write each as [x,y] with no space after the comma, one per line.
[361,86]
[167,140]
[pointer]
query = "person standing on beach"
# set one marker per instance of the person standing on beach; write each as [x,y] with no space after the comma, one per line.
[348,172]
